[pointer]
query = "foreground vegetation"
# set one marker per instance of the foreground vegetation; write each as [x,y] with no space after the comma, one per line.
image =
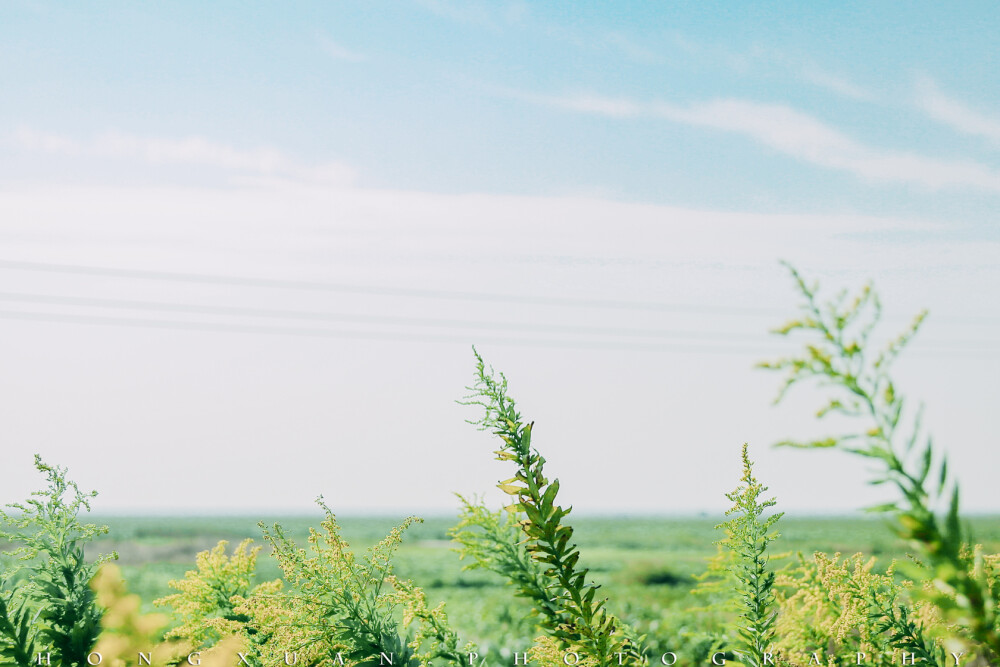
[538,586]
[645,565]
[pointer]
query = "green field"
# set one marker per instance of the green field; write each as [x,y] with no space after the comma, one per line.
[645,565]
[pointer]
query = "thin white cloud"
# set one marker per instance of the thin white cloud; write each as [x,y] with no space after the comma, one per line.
[769,61]
[955,114]
[338,51]
[583,102]
[793,133]
[834,83]
[605,106]
[632,50]
[714,54]
[492,16]
[187,151]
[44,142]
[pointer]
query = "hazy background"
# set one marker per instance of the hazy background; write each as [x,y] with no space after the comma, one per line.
[245,249]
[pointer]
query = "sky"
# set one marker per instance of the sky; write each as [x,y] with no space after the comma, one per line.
[246,250]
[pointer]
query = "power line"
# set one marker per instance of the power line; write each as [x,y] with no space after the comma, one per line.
[392,320]
[317,286]
[374,319]
[175,325]
[373,335]
[244,281]
[91,302]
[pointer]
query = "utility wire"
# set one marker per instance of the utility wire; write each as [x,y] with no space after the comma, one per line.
[243,281]
[391,320]
[367,319]
[198,309]
[316,286]
[174,325]
[375,335]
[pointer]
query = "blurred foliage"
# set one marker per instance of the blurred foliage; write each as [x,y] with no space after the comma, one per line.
[128,634]
[841,356]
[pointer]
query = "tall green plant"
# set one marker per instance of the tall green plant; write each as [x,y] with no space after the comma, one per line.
[493,541]
[339,607]
[748,534]
[56,593]
[206,601]
[840,355]
[569,609]
[17,628]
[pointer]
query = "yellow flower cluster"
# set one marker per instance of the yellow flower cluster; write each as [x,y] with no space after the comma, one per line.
[826,606]
[290,625]
[547,651]
[434,637]
[204,601]
[127,634]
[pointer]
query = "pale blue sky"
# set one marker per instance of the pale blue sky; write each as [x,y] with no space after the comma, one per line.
[665,153]
[638,101]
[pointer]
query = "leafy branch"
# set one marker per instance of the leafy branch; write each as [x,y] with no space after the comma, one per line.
[569,609]
[493,541]
[901,630]
[840,355]
[51,539]
[343,607]
[207,599]
[339,603]
[748,534]
[17,629]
